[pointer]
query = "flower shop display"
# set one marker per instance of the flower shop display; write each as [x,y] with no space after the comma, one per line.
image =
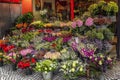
[78,48]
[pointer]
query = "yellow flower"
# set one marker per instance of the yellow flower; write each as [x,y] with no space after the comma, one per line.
[45,68]
[100,62]
[81,69]
[101,56]
[95,59]
[50,68]
[45,72]
[73,64]
[109,58]
[1,54]
[64,66]
[73,70]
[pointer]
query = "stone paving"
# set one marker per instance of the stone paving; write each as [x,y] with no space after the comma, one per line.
[6,73]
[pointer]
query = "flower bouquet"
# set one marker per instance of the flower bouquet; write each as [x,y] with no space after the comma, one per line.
[73,69]
[46,67]
[99,63]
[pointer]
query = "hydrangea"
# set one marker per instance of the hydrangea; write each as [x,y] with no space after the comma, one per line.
[74,25]
[25,52]
[89,22]
[79,23]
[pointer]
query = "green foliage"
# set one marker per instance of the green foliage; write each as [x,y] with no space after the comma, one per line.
[37,24]
[104,8]
[67,53]
[95,34]
[27,36]
[102,34]
[26,18]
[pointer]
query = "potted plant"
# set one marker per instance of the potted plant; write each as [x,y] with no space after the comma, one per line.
[103,8]
[99,63]
[46,66]
[27,63]
[14,58]
[73,69]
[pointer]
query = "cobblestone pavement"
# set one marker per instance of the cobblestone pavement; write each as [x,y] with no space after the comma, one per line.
[6,73]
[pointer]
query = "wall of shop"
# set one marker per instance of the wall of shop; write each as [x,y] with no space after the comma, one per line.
[26,6]
[8,13]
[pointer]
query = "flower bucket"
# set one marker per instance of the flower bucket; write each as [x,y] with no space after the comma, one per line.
[28,71]
[101,26]
[47,76]
[1,63]
[112,18]
[14,66]
[99,77]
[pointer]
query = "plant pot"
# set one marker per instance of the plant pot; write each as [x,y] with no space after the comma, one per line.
[47,76]
[14,66]
[101,26]
[1,63]
[112,18]
[28,71]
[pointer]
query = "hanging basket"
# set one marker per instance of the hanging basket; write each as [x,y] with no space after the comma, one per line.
[47,76]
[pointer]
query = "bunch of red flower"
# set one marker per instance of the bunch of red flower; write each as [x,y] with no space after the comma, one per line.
[6,48]
[25,63]
[45,31]
[24,30]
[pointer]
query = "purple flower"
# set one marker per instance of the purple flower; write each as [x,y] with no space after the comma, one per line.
[89,22]
[87,53]
[74,45]
[49,39]
[79,23]
[66,39]
[74,24]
